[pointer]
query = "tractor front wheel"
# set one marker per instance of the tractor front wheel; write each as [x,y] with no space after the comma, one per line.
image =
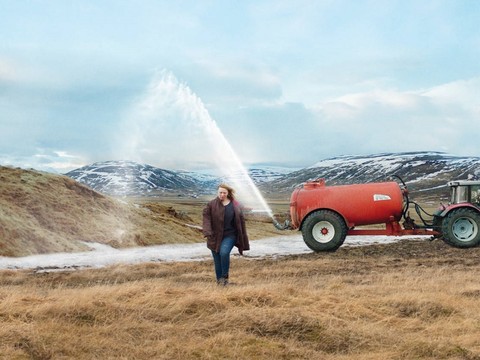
[324,230]
[461,228]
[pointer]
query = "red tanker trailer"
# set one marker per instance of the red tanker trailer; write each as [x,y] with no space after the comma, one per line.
[327,214]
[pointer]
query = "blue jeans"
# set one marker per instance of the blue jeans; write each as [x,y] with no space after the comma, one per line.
[222,258]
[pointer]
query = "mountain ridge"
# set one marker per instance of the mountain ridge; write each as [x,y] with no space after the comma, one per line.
[427,172]
[128,178]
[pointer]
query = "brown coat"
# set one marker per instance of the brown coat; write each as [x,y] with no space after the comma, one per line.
[213,215]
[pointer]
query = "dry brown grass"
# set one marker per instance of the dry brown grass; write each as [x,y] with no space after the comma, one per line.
[45,213]
[412,300]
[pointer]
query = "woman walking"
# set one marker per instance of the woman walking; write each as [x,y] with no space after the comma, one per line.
[224,228]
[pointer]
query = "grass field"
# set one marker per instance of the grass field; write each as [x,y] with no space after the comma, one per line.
[409,300]
[405,300]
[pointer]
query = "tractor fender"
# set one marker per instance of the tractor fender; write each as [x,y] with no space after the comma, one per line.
[449,208]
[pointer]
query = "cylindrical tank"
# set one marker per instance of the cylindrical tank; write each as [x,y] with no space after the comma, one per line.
[358,204]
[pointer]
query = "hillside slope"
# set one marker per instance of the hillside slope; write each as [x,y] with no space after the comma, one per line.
[43,213]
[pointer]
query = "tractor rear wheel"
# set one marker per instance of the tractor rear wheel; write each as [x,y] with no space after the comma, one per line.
[324,230]
[461,228]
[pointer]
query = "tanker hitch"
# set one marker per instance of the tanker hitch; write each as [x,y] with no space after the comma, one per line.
[285,226]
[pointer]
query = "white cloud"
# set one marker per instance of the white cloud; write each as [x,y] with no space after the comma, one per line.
[228,81]
[23,74]
[8,71]
[461,92]
[441,118]
[283,80]
[59,161]
[45,160]
[170,127]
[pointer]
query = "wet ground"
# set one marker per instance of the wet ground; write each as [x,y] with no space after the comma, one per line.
[399,254]
[383,250]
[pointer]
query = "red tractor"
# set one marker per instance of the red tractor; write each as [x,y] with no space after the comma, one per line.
[327,214]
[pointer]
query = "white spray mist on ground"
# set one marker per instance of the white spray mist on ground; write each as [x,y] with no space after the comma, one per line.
[103,255]
[171,128]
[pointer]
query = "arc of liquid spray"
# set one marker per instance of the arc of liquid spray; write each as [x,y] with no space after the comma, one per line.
[167,95]
[238,164]
[233,161]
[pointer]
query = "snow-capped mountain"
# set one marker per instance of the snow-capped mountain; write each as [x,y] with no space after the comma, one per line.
[130,178]
[266,173]
[258,174]
[426,172]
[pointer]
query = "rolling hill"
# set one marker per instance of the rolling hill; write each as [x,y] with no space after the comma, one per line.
[44,213]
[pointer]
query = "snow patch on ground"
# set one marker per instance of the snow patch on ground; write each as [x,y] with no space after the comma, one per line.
[103,255]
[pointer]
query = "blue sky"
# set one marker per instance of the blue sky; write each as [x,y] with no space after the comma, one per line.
[286,82]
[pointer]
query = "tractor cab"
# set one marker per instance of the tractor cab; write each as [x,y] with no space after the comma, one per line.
[459,222]
[465,191]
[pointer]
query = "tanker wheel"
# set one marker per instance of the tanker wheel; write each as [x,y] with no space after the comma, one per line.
[324,230]
[461,228]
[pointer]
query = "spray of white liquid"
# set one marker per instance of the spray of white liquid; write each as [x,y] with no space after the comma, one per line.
[171,128]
